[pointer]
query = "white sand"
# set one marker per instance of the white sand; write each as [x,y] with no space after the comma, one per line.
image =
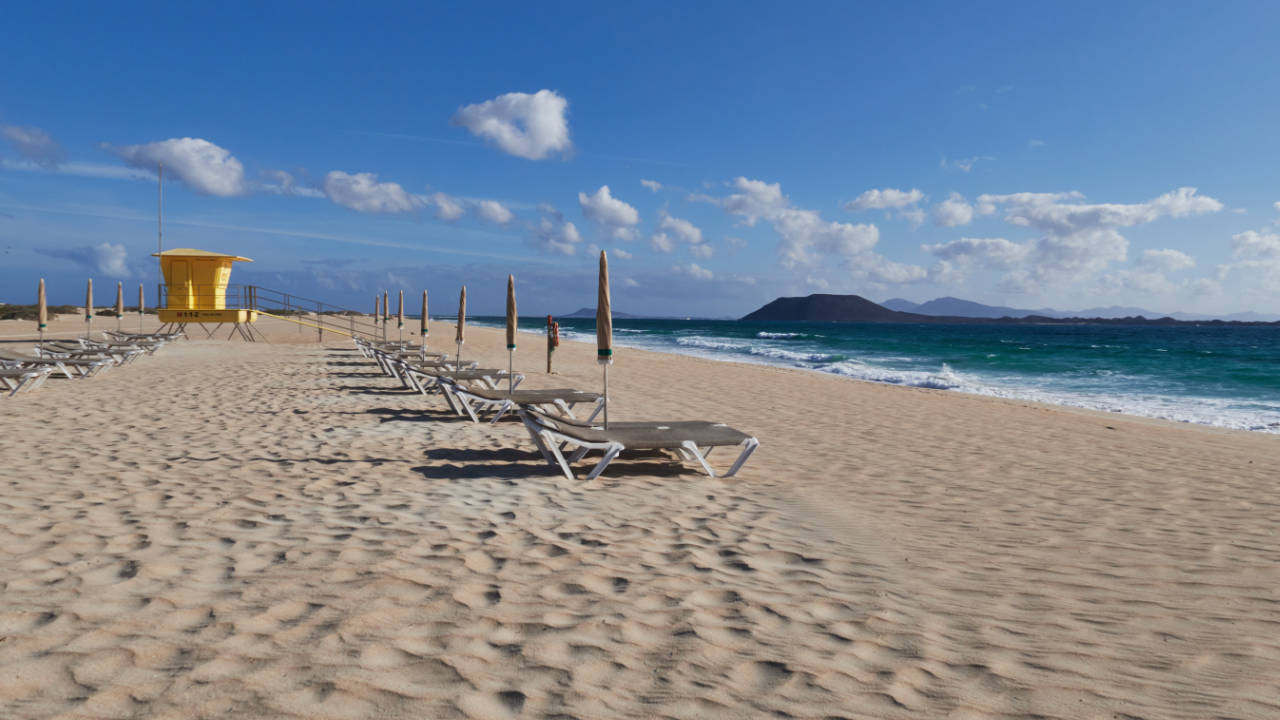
[276,530]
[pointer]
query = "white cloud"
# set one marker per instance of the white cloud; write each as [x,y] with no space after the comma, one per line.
[1277,206]
[693,270]
[34,145]
[201,165]
[106,258]
[701,250]
[953,212]
[628,282]
[493,211]
[884,199]
[803,232]
[914,216]
[363,193]
[735,242]
[1165,261]
[109,259]
[1047,212]
[662,242]
[603,208]
[966,164]
[1254,244]
[524,125]
[681,229]
[553,234]
[1078,241]
[622,254]
[284,183]
[990,252]
[447,208]
[1240,211]
[653,185]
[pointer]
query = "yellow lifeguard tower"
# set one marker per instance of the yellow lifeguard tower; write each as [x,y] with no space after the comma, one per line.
[196,284]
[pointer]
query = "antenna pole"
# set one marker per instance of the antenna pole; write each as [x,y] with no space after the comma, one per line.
[159,230]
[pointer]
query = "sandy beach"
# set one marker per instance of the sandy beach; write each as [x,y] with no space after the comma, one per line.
[278,530]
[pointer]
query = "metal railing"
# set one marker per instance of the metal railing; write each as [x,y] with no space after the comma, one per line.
[305,312]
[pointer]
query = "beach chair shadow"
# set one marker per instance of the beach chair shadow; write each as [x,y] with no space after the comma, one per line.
[415,415]
[375,390]
[479,471]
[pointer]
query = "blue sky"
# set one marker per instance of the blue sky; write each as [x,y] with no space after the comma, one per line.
[1021,154]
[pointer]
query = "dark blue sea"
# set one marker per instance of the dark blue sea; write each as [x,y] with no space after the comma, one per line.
[1223,376]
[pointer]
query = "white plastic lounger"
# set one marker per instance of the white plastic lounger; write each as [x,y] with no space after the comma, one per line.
[17,379]
[691,440]
[84,367]
[478,399]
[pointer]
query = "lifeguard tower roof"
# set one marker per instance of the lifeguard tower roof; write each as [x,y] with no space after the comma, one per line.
[193,253]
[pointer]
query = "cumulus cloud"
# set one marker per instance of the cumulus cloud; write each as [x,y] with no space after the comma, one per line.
[603,208]
[622,254]
[106,258]
[629,282]
[680,228]
[804,234]
[888,198]
[34,145]
[996,253]
[493,211]
[965,164]
[528,126]
[692,270]
[653,185]
[1254,244]
[553,234]
[197,163]
[1048,212]
[1165,261]
[953,212]
[915,216]
[447,207]
[1078,240]
[363,193]
[662,242]
[701,250]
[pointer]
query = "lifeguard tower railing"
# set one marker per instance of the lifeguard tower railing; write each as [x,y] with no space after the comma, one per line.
[304,312]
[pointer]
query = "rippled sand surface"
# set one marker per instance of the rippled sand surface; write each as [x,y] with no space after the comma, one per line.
[223,530]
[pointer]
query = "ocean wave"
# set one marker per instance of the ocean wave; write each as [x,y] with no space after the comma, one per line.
[780,335]
[705,343]
[944,379]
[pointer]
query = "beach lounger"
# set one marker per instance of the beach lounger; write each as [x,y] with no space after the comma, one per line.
[692,440]
[17,379]
[83,367]
[475,400]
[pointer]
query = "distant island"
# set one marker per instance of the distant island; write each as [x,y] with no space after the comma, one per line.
[857,309]
[590,312]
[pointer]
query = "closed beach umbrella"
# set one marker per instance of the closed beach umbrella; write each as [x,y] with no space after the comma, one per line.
[511,330]
[42,317]
[141,304]
[422,330]
[604,330]
[88,309]
[119,303]
[462,323]
[400,317]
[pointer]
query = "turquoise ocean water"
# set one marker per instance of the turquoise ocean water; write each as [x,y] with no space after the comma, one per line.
[1223,376]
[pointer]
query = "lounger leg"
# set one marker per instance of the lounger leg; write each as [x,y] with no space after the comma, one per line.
[537,440]
[564,466]
[502,410]
[594,413]
[466,406]
[691,449]
[610,453]
[748,446]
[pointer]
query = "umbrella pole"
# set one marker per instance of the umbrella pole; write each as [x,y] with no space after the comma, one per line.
[511,361]
[606,395]
[457,359]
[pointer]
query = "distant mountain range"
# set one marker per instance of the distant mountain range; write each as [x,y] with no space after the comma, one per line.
[956,307]
[854,308]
